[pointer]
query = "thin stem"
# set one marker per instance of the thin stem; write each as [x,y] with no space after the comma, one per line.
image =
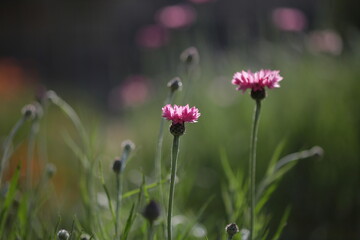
[70,112]
[175,150]
[189,76]
[7,145]
[158,156]
[151,231]
[31,145]
[159,146]
[118,202]
[252,166]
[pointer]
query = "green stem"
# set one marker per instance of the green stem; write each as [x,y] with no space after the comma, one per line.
[189,76]
[7,145]
[159,146]
[31,145]
[70,112]
[151,231]
[118,202]
[252,166]
[175,150]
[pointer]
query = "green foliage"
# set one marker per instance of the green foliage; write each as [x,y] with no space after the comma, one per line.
[302,111]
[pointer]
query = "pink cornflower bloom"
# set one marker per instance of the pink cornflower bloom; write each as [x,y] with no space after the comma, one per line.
[180,114]
[289,19]
[256,81]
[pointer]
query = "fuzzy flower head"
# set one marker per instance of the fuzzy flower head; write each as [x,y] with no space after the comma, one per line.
[256,81]
[180,114]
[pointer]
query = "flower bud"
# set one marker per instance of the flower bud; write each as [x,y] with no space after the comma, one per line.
[174,84]
[190,56]
[63,235]
[128,145]
[50,170]
[177,129]
[29,111]
[317,151]
[84,236]
[151,211]
[232,229]
[259,94]
[117,166]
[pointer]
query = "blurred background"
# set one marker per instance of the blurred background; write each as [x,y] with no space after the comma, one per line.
[111,60]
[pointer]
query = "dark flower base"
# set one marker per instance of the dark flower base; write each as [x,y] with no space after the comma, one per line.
[259,94]
[177,129]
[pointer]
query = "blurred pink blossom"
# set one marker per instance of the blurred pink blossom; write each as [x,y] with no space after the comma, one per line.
[256,81]
[327,41]
[152,36]
[133,91]
[180,114]
[176,16]
[289,19]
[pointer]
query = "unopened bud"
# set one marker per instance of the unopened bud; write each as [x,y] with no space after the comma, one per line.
[175,84]
[117,166]
[232,229]
[317,151]
[177,129]
[84,236]
[29,111]
[128,145]
[63,235]
[50,170]
[151,211]
[190,56]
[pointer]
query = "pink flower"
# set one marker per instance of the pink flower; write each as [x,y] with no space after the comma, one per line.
[152,36]
[180,114]
[176,16]
[256,81]
[325,41]
[132,92]
[289,19]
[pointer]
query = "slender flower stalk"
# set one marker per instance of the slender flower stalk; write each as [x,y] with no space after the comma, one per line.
[178,115]
[190,58]
[173,85]
[150,232]
[174,155]
[7,145]
[256,82]
[252,165]
[70,112]
[29,112]
[118,168]
[35,126]
[118,202]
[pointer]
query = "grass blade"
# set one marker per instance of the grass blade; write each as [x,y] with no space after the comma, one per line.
[9,199]
[282,224]
[191,223]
